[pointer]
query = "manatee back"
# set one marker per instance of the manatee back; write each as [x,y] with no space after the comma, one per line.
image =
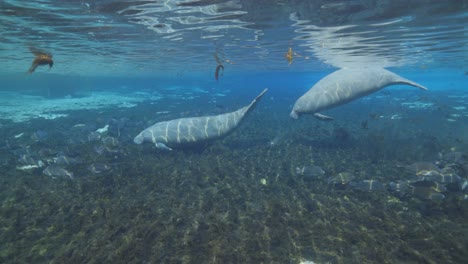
[343,86]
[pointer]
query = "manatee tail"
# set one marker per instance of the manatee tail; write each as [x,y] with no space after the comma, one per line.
[401,80]
[254,102]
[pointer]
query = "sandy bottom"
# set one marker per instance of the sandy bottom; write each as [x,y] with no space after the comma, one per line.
[19,107]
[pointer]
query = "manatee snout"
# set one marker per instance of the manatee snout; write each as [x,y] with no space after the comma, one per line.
[294,114]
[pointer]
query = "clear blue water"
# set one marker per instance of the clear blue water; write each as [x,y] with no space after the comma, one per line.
[269,191]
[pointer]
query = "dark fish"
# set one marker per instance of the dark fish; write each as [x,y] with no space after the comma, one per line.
[400,187]
[423,165]
[220,66]
[341,178]
[368,185]
[426,193]
[310,171]
[97,168]
[56,171]
[436,186]
[445,175]
[42,58]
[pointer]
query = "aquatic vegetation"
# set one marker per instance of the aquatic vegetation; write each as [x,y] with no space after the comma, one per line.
[237,200]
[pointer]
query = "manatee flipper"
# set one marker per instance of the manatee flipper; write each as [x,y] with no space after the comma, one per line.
[402,80]
[162,146]
[323,117]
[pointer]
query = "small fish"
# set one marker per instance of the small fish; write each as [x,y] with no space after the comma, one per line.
[310,171]
[42,58]
[289,56]
[97,168]
[220,66]
[400,187]
[56,171]
[341,178]
[426,193]
[421,166]
[368,185]
[436,186]
[443,176]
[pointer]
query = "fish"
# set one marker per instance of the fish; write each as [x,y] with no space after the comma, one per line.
[289,56]
[310,171]
[368,185]
[56,171]
[341,178]
[426,193]
[421,167]
[219,67]
[42,58]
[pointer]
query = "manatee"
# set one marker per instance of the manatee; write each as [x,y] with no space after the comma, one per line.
[192,130]
[343,86]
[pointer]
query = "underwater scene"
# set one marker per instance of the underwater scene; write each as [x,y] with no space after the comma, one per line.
[234,131]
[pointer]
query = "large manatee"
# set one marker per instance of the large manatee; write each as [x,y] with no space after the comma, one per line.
[343,86]
[187,131]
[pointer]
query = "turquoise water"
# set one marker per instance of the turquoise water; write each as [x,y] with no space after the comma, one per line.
[75,188]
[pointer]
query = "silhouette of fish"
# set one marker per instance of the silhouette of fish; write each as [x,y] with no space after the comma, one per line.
[56,171]
[219,67]
[42,58]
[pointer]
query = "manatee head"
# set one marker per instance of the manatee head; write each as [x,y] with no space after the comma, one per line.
[294,114]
